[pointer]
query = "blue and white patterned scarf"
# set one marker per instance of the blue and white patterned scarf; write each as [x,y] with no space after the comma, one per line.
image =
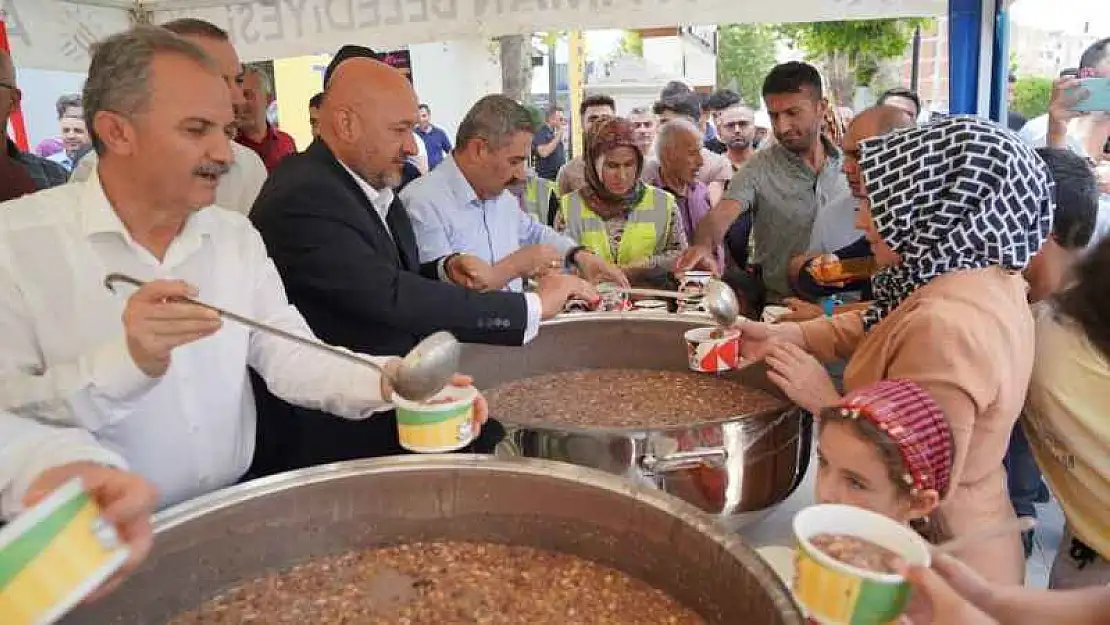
[959,193]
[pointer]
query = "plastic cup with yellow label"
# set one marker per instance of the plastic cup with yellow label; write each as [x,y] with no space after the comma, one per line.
[54,555]
[442,423]
[865,592]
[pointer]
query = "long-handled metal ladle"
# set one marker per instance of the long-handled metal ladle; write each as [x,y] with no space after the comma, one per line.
[424,371]
[719,299]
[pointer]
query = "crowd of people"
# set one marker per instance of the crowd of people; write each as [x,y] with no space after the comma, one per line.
[985,302]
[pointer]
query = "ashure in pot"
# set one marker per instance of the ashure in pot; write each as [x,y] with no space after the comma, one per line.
[222,540]
[736,468]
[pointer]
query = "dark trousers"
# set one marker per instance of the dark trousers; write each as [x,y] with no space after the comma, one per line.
[1023,476]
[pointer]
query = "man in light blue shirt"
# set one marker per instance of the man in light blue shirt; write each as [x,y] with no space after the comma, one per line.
[467,221]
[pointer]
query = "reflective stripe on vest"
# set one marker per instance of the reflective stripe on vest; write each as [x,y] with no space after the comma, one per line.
[640,239]
[535,189]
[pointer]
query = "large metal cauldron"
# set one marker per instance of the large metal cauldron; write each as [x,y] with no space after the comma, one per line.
[737,469]
[231,536]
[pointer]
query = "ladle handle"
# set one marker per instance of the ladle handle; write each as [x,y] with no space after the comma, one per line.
[113,278]
[653,293]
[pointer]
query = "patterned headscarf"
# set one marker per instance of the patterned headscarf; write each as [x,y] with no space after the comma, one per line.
[905,413]
[959,193]
[602,139]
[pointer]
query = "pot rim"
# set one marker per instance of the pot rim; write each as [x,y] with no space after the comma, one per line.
[686,513]
[637,432]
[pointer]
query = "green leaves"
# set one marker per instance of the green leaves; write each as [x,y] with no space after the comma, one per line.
[1032,95]
[745,54]
[865,43]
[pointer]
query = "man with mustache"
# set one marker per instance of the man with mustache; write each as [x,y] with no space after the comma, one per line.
[345,247]
[157,379]
[468,222]
[246,173]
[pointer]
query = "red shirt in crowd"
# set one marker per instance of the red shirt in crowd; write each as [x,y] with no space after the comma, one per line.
[275,145]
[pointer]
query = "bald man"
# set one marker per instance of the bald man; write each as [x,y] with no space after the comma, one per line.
[21,172]
[345,248]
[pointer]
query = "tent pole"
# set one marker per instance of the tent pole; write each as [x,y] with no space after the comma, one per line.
[1001,65]
[915,63]
[964,20]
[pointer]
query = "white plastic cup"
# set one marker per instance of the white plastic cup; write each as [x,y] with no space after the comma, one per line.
[709,354]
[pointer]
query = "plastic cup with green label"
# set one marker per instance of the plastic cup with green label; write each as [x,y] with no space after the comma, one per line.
[54,555]
[443,423]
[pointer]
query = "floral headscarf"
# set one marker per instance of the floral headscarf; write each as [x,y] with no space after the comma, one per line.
[959,193]
[602,139]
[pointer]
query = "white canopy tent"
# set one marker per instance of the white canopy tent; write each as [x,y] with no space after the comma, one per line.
[56,34]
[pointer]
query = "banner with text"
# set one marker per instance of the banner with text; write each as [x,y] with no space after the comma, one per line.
[52,34]
[47,34]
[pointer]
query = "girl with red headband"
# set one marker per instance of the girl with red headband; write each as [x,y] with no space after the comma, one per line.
[887,448]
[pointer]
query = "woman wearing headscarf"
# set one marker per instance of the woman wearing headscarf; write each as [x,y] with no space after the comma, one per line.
[955,211]
[618,217]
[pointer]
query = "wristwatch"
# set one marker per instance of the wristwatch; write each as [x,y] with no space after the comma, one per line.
[574,252]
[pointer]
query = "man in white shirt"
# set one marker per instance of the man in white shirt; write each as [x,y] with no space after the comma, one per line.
[239,187]
[167,388]
[36,459]
[465,217]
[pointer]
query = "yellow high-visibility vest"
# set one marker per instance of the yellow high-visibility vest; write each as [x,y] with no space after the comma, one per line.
[537,198]
[645,233]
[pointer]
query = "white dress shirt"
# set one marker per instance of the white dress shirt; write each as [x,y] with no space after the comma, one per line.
[238,188]
[64,356]
[380,200]
[28,447]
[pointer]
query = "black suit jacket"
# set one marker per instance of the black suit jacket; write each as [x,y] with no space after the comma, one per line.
[359,287]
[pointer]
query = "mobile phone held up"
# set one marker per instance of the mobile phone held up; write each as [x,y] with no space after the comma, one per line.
[1098,95]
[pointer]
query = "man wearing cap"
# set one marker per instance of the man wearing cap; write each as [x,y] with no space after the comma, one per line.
[346,251]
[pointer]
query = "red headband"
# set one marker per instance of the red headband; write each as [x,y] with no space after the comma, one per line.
[908,415]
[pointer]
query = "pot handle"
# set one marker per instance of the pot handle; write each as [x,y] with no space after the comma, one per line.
[681,460]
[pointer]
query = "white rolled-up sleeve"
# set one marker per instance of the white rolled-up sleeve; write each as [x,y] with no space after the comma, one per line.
[101,385]
[29,447]
[299,374]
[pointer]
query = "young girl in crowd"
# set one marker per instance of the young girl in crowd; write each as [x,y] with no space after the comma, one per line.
[887,448]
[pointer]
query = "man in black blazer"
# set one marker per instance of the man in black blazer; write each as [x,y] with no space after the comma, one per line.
[348,258]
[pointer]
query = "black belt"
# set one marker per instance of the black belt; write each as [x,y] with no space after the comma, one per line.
[1082,554]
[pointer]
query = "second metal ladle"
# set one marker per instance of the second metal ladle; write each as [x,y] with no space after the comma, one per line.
[719,299]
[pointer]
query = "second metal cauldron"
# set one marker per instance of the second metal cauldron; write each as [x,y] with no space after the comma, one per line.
[209,544]
[736,469]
